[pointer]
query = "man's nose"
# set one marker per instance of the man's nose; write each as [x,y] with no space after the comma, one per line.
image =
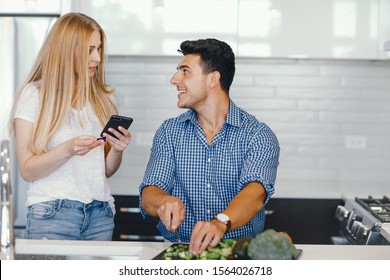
[174,79]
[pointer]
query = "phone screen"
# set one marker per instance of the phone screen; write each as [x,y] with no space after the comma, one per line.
[114,122]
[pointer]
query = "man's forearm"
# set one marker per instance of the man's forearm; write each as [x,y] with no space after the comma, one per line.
[152,198]
[246,204]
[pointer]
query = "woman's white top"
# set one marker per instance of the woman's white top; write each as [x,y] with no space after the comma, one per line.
[81,178]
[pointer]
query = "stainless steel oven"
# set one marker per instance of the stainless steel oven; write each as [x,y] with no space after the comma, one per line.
[365,221]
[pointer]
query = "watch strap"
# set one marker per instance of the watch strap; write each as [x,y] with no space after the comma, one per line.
[228,224]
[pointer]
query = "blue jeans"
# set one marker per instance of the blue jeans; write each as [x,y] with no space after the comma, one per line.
[68,219]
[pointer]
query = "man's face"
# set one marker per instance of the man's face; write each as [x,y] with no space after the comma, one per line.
[190,82]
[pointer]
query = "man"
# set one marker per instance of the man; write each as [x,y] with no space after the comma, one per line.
[213,168]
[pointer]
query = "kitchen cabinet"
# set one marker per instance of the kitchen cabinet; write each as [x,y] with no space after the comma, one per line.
[386,46]
[302,28]
[129,223]
[307,221]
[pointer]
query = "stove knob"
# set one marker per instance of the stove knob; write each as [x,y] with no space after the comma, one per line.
[362,232]
[359,231]
[358,218]
[355,227]
[341,213]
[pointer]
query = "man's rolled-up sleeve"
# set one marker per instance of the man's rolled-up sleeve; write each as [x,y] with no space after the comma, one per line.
[262,161]
[160,168]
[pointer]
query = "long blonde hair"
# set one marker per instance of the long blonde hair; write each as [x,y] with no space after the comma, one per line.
[62,69]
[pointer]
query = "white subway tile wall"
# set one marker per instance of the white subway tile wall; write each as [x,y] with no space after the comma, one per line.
[332,119]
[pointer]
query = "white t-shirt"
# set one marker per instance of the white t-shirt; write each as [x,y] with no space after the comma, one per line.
[81,178]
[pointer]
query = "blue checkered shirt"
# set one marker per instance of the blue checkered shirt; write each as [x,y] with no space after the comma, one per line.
[207,177]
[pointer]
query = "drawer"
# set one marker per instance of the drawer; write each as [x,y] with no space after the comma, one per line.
[129,223]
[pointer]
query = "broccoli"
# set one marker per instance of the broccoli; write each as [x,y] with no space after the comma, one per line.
[271,245]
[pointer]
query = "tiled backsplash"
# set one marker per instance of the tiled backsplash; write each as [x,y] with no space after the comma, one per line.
[332,118]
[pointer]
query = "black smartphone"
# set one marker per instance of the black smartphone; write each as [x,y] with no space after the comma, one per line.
[114,122]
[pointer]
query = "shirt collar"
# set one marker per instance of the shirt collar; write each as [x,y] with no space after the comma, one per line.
[233,116]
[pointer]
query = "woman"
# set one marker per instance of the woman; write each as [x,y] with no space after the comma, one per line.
[57,116]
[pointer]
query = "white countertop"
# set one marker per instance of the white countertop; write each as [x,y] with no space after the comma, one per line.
[148,250]
[344,252]
[90,249]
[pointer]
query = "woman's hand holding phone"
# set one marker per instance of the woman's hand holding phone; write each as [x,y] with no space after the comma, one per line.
[116,132]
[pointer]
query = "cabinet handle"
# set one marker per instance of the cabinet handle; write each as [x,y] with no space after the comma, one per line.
[269,212]
[129,210]
[129,237]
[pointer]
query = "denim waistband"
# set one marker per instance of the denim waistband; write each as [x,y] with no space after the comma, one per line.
[66,203]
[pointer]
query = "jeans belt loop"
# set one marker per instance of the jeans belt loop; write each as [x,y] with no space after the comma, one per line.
[59,204]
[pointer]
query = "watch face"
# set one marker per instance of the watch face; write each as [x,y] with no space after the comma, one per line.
[223,218]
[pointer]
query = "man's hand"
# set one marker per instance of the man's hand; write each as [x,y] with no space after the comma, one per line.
[206,235]
[171,212]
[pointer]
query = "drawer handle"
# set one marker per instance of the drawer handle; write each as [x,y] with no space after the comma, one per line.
[269,212]
[129,210]
[126,237]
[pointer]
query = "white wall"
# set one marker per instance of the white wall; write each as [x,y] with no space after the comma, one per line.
[332,118]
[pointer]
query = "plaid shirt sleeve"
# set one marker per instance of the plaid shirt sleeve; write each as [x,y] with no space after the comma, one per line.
[262,161]
[160,169]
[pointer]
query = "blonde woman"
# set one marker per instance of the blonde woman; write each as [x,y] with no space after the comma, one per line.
[57,116]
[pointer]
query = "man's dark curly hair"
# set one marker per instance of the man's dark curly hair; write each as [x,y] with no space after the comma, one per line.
[215,55]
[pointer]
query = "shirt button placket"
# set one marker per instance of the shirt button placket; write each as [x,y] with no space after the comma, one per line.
[208,171]
[208,184]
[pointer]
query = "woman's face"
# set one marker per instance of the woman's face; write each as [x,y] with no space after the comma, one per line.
[94,58]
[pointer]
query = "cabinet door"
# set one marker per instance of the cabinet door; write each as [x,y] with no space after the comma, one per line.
[129,223]
[350,29]
[309,28]
[307,221]
[386,46]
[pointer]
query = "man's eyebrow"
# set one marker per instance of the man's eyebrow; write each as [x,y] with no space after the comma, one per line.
[181,67]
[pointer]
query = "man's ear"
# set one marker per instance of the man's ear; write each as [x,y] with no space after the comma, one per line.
[214,78]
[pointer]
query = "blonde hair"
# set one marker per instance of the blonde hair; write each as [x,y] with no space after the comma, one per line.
[62,69]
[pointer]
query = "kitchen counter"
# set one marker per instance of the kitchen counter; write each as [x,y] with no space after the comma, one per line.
[344,252]
[68,249]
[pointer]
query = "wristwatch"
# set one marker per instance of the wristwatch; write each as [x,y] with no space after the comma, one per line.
[223,218]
